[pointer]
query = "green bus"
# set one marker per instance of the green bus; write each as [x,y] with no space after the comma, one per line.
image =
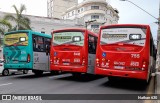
[27,50]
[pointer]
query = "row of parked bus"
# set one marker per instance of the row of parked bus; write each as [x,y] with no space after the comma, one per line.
[121,50]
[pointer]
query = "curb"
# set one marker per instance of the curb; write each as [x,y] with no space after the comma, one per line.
[155,84]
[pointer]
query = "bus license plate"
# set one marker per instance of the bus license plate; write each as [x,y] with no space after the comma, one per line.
[65,63]
[118,67]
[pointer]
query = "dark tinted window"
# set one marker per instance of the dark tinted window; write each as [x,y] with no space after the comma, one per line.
[38,44]
[92,44]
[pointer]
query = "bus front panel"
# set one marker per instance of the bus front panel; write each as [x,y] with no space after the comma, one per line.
[17,51]
[68,52]
[122,52]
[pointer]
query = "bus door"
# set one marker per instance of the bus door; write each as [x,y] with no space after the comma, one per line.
[47,47]
[40,54]
[92,43]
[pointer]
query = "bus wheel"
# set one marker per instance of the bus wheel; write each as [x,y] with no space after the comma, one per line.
[76,74]
[37,72]
[25,71]
[54,72]
[111,79]
[146,82]
[5,72]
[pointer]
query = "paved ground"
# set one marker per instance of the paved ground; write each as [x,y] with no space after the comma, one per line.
[157,89]
[67,84]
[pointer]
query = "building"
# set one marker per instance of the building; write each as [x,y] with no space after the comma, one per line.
[44,24]
[57,7]
[91,10]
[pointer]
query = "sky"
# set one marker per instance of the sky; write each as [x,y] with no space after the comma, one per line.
[128,12]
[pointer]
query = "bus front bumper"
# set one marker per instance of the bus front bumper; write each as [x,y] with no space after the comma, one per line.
[121,73]
[81,69]
[17,66]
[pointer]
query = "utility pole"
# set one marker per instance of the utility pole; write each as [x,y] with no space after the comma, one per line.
[88,22]
[158,34]
[140,8]
[158,42]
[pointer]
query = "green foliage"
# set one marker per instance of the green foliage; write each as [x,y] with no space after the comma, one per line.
[22,22]
[5,26]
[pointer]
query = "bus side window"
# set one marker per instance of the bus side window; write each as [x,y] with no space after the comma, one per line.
[47,45]
[38,44]
[95,42]
[34,42]
[91,44]
[152,48]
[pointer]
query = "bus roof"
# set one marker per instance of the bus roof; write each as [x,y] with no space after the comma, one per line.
[74,29]
[118,25]
[32,32]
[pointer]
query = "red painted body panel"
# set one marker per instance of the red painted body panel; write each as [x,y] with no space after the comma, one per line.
[118,73]
[118,59]
[70,58]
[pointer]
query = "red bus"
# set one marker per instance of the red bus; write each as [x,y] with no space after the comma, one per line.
[73,50]
[125,50]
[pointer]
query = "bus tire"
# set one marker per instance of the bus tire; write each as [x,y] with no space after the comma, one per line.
[76,74]
[149,78]
[54,72]
[111,79]
[5,72]
[37,72]
[25,71]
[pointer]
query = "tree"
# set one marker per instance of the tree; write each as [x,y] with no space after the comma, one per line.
[22,22]
[5,26]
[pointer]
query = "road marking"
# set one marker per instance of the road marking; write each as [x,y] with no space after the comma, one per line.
[5,84]
[60,76]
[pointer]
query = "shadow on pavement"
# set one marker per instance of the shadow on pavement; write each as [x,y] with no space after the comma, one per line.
[29,76]
[81,78]
[127,84]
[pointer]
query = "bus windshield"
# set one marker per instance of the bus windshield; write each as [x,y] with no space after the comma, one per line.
[69,38]
[18,39]
[134,36]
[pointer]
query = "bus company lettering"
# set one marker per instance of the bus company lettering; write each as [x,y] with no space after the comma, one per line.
[77,53]
[119,63]
[77,60]
[135,55]
[108,36]
[23,52]
[65,60]
[36,59]
[133,63]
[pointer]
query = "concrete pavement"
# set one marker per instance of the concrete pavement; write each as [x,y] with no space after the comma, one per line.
[157,84]
[67,84]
